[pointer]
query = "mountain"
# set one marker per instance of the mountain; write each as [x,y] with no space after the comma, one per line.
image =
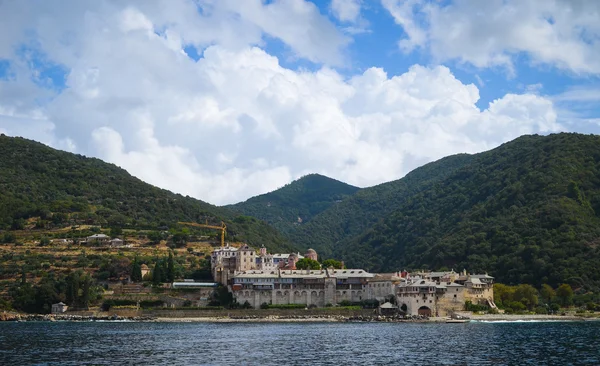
[527,212]
[59,188]
[296,203]
[330,230]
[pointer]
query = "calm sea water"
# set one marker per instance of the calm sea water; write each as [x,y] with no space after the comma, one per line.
[63,343]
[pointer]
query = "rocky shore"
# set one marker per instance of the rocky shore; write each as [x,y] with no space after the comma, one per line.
[301,319]
[283,318]
[67,317]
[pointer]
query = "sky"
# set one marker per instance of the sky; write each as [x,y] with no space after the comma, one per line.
[222,100]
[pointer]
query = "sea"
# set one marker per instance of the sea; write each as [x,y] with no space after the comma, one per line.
[141,343]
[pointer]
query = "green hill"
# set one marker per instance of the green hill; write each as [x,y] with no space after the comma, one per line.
[527,212]
[329,231]
[57,188]
[297,203]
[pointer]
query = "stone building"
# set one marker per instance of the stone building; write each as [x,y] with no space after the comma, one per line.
[245,259]
[223,263]
[383,286]
[443,293]
[227,260]
[307,287]
[59,308]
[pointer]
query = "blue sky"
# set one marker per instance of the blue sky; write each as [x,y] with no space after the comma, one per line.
[225,100]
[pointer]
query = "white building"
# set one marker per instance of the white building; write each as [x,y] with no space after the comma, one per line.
[98,239]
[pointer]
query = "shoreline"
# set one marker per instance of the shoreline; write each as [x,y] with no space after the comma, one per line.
[289,318]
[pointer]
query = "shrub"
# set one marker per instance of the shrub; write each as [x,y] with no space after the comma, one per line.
[195,308]
[284,306]
[541,310]
[469,306]
[151,303]
[516,306]
[264,305]
[352,307]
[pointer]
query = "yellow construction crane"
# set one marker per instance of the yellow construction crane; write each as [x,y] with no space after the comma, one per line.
[206,225]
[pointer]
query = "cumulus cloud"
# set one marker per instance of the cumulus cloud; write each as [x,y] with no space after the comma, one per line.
[562,33]
[236,123]
[346,10]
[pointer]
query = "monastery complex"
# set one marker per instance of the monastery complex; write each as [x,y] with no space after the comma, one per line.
[262,278]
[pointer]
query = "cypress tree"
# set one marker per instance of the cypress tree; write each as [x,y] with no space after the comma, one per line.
[85,296]
[171,268]
[136,271]
[157,273]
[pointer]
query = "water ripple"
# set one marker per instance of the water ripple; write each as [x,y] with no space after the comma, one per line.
[300,344]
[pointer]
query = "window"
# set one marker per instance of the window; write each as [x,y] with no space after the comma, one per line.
[454,295]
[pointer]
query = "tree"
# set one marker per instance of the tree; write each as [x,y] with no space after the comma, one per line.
[157,273]
[155,237]
[503,294]
[564,293]
[44,241]
[547,293]
[179,239]
[224,297]
[72,288]
[307,263]
[9,238]
[116,231]
[332,263]
[136,271]
[170,268]
[85,293]
[527,295]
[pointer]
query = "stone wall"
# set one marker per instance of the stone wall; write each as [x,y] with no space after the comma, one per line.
[260,313]
[318,297]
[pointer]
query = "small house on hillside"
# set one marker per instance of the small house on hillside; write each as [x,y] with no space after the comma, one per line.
[98,239]
[116,242]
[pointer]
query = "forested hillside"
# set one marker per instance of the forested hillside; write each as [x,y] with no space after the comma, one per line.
[331,230]
[527,212]
[56,188]
[297,203]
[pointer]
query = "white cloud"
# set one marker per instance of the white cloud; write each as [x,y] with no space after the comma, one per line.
[236,123]
[579,94]
[346,10]
[562,33]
